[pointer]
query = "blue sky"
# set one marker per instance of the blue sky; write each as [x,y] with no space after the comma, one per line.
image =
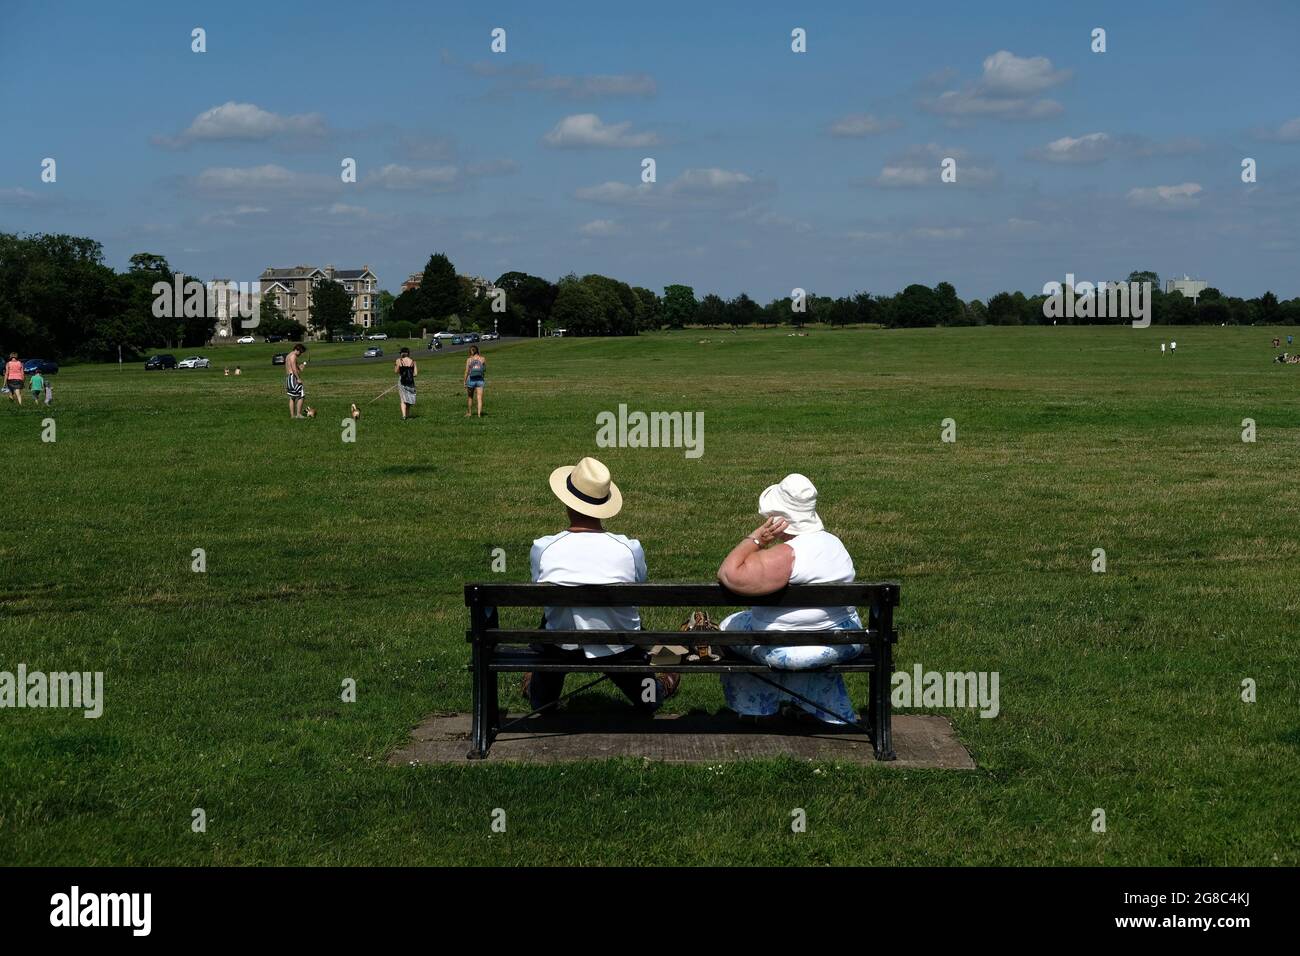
[774,169]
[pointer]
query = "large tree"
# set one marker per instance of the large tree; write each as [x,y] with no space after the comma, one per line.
[712,311]
[679,305]
[440,294]
[331,308]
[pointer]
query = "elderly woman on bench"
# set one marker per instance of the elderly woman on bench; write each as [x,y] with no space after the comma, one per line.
[790,547]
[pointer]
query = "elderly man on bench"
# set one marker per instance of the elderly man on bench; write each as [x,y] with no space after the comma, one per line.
[585,553]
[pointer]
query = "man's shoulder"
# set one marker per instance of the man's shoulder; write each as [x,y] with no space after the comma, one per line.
[624,540]
[545,542]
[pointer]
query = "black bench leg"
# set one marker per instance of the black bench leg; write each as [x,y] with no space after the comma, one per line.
[882,731]
[484,719]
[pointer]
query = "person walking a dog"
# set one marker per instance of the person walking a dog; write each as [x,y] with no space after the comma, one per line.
[293,386]
[406,370]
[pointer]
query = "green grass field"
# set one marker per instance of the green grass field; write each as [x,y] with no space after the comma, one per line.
[328,560]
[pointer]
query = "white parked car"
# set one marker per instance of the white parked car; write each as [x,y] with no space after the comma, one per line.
[245,340]
[488,336]
[194,361]
[378,336]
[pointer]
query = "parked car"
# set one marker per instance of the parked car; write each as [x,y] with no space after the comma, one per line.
[373,352]
[194,361]
[489,336]
[44,366]
[457,340]
[278,358]
[159,362]
[245,340]
[444,335]
[275,338]
[377,336]
[350,338]
[472,337]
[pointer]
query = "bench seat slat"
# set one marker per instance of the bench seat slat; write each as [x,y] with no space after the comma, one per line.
[719,667]
[678,638]
[514,661]
[861,594]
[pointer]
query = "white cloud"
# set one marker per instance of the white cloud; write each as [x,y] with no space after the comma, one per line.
[17,196]
[943,235]
[246,122]
[1089,148]
[444,178]
[1288,132]
[1182,196]
[1007,89]
[267,178]
[692,186]
[233,217]
[1092,148]
[1006,74]
[709,182]
[921,166]
[394,176]
[599,227]
[586,131]
[518,77]
[588,87]
[618,194]
[862,124]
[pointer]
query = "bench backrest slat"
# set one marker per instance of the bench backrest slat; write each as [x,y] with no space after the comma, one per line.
[866,594]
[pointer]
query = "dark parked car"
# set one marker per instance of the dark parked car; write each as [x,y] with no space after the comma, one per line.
[160,362]
[278,358]
[274,338]
[44,366]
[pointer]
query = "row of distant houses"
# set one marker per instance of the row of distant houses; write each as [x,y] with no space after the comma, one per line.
[293,289]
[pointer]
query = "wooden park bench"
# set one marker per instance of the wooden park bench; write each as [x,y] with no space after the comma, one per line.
[496,651]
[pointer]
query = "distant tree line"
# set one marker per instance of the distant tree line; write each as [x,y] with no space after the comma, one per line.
[58,299]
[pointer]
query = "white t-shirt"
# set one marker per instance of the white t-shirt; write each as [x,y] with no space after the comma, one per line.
[589,557]
[819,558]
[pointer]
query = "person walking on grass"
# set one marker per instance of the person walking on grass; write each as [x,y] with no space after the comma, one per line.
[14,378]
[406,370]
[475,370]
[38,387]
[293,386]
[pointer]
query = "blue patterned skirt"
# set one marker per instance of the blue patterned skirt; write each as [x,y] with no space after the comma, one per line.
[747,694]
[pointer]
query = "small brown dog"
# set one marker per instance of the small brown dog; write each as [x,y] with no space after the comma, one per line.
[356,412]
[311,412]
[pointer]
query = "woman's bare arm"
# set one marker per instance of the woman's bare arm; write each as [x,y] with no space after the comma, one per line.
[752,568]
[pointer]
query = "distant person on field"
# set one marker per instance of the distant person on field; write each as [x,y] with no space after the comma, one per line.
[406,370]
[14,378]
[475,370]
[293,386]
[38,387]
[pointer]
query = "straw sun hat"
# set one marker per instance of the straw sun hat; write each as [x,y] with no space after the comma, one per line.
[586,488]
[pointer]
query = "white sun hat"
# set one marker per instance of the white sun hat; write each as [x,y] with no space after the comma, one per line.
[587,489]
[795,500]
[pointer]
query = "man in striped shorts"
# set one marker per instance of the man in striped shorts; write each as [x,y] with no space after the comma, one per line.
[293,386]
